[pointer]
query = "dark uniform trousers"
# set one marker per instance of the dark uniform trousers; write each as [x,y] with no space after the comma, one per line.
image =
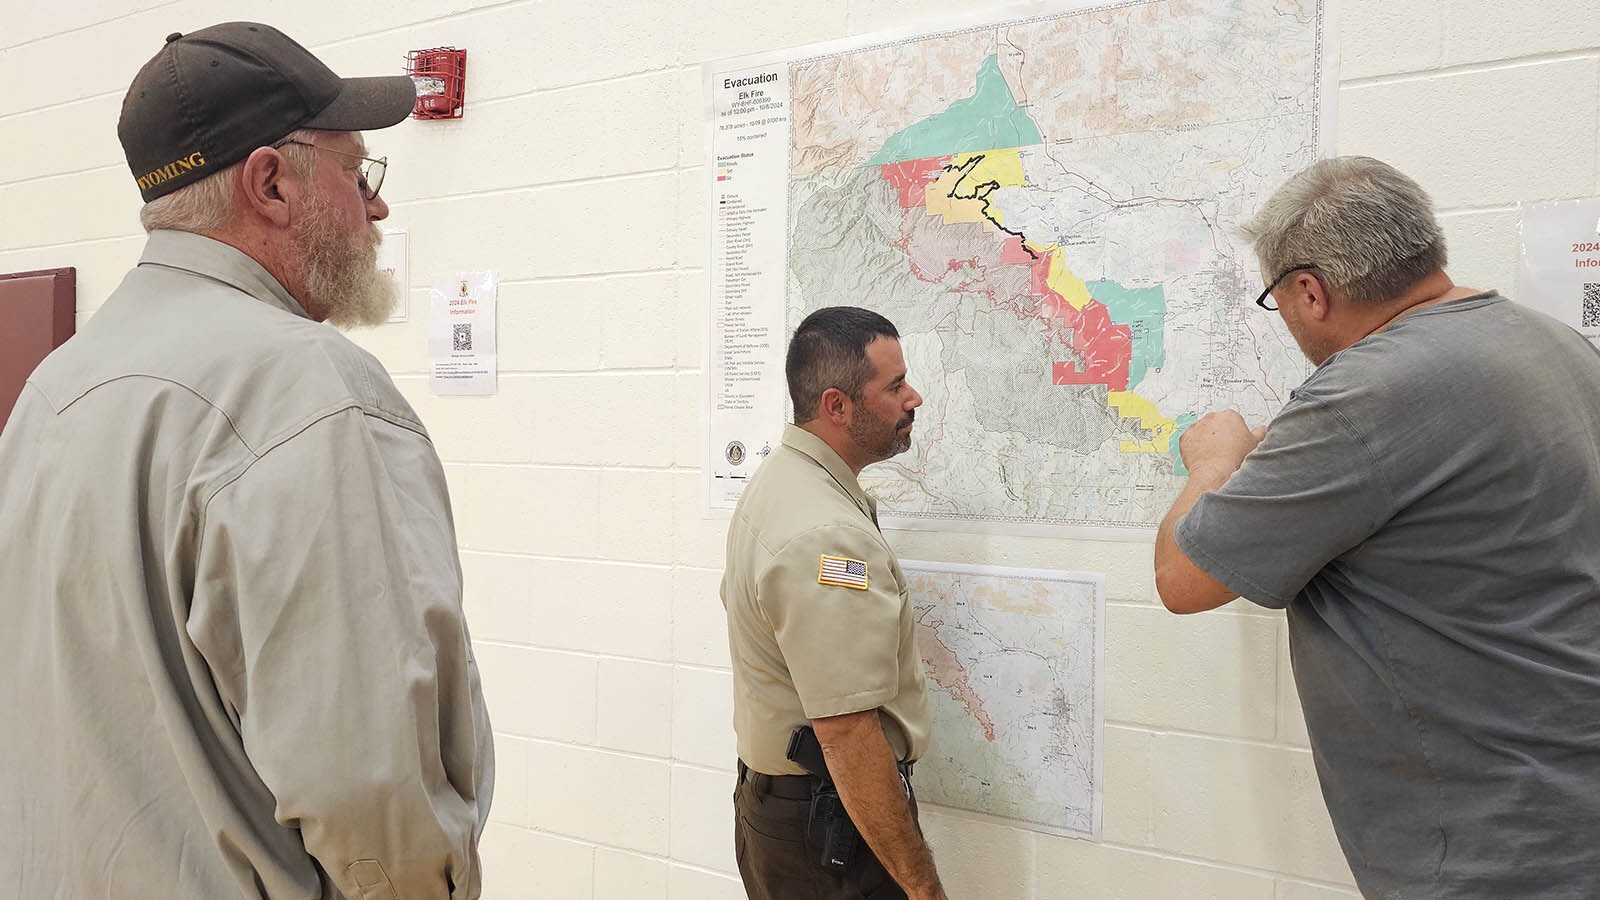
[778,862]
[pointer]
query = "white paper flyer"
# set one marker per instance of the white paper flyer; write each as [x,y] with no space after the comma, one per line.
[1561,262]
[461,334]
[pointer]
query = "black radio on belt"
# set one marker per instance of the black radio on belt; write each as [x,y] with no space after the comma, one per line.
[829,828]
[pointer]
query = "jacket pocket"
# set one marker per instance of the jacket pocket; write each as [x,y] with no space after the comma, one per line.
[372,880]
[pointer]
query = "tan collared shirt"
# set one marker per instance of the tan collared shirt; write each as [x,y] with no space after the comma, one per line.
[233,661]
[812,638]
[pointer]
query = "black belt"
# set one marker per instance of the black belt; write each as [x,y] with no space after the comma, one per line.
[793,787]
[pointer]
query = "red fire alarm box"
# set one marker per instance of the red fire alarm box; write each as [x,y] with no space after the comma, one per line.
[441,78]
[36,316]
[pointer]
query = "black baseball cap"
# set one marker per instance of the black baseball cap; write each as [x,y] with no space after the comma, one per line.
[212,96]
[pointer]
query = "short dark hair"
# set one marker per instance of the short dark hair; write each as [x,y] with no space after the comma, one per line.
[829,350]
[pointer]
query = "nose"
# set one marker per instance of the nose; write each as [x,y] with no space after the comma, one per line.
[377,209]
[916,398]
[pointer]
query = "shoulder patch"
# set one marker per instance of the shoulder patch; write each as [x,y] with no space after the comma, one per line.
[842,571]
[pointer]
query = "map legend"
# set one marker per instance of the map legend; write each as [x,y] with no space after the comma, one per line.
[749,136]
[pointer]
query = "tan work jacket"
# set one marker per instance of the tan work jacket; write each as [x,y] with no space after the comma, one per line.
[233,660]
[819,620]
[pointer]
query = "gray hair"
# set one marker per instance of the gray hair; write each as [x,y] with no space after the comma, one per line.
[207,205]
[1365,226]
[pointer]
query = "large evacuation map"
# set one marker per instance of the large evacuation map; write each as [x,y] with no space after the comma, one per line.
[1046,203]
[1048,212]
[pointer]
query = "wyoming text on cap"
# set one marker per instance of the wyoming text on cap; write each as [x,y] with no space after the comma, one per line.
[211,97]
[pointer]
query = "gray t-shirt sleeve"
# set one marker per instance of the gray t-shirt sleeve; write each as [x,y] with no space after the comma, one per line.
[1311,491]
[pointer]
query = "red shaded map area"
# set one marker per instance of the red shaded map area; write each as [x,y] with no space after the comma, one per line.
[959,255]
[1105,347]
[946,670]
[912,177]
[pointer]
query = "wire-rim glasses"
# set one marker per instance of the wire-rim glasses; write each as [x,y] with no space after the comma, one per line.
[371,174]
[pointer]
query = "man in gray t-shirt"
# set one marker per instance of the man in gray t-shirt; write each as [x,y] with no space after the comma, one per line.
[1426,508]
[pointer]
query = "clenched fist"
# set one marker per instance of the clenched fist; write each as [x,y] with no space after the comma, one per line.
[1218,443]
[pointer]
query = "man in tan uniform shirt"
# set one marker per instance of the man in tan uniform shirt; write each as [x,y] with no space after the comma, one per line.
[821,628]
[234,661]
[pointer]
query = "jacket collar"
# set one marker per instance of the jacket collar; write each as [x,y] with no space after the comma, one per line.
[209,258]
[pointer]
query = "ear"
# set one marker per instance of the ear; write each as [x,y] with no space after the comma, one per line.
[1318,298]
[267,183]
[835,407]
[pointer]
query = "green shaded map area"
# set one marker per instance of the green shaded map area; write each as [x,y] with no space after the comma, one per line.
[1143,310]
[990,118]
[1184,421]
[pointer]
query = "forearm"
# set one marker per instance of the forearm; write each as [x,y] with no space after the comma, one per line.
[864,770]
[1184,587]
[1199,483]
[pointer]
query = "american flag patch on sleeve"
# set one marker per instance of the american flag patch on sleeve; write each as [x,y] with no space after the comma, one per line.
[843,571]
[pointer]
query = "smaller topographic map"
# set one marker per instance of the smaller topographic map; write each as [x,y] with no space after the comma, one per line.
[1014,662]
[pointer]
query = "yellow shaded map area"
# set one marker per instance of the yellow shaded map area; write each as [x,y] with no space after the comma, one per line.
[994,168]
[1062,281]
[1132,406]
[941,202]
[961,193]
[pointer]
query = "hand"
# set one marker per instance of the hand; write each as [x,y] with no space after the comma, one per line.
[1218,443]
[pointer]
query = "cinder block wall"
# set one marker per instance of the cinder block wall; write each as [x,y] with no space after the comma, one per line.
[591,576]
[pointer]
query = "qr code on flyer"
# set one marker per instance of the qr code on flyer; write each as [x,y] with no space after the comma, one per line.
[1591,306]
[462,334]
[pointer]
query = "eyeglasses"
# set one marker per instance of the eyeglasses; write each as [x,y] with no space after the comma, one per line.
[1266,295]
[371,174]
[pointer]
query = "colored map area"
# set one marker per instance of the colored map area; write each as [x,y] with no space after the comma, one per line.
[1048,210]
[1013,659]
[989,118]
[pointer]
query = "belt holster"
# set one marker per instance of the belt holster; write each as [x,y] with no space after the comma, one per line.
[829,831]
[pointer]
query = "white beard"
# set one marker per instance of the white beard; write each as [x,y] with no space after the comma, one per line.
[341,275]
